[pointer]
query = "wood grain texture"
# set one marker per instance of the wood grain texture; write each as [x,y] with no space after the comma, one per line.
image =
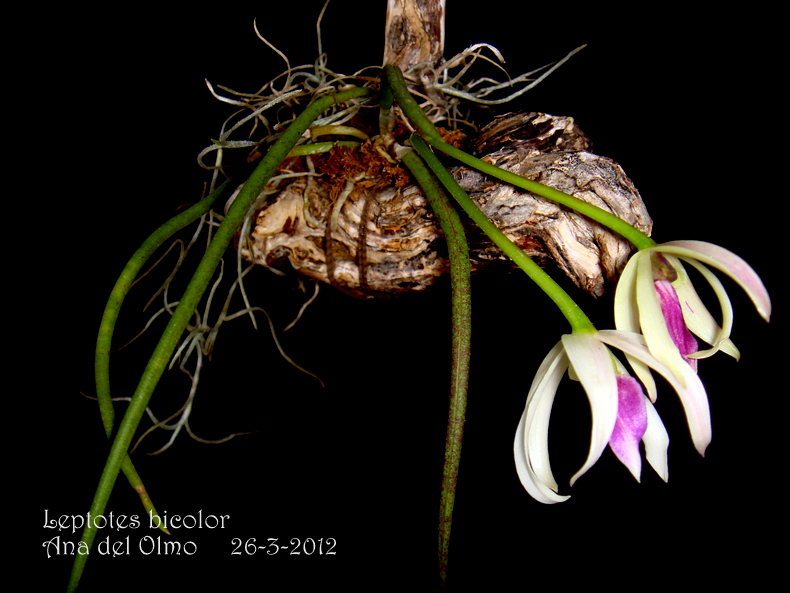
[381,240]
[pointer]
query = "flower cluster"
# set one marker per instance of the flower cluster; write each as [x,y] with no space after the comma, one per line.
[657,315]
[656,297]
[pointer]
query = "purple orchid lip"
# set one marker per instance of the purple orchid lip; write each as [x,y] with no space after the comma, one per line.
[676,324]
[631,424]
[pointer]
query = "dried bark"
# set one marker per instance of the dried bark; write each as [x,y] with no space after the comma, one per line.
[373,235]
[555,152]
[414,33]
[385,241]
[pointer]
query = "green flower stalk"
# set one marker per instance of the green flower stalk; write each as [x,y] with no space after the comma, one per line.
[572,312]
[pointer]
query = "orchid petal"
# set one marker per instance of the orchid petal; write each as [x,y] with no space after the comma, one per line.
[530,448]
[642,372]
[727,262]
[653,323]
[626,317]
[626,313]
[593,364]
[722,338]
[698,319]
[691,391]
[656,441]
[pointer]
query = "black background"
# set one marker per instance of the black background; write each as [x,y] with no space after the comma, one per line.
[686,103]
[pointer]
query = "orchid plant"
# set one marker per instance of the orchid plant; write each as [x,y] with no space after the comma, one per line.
[657,313]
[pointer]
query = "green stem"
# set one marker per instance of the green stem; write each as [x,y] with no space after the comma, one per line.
[188,303]
[110,316]
[460,272]
[431,135]
[396,88]
[572,312]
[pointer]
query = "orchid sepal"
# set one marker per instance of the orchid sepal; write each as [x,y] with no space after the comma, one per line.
[727,262]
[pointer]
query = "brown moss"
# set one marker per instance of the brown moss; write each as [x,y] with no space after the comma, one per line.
[455,138]
[341,164]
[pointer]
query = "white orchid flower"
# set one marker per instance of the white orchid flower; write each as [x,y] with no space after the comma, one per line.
[621,414]
[655,297]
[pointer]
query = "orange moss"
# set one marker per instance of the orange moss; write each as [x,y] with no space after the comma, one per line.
[455,138]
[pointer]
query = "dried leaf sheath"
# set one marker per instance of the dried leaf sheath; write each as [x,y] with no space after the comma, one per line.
[414,33]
